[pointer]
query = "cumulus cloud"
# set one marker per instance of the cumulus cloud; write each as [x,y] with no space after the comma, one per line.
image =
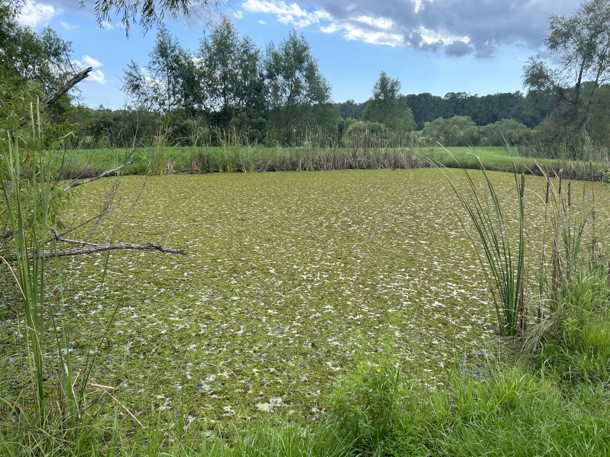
[286,13]
[37,14]
[96,76]
[459,27]
[458,48]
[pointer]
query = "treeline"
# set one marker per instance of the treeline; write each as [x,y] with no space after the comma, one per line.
[229,92]
[483,110]
[501,119]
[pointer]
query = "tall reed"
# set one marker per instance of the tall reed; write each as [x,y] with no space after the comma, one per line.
[27,208]
[503,258]
[31,201]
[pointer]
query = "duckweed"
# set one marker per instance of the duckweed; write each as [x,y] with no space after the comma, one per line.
[286,276]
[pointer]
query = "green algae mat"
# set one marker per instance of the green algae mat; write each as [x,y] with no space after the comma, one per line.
[287,279]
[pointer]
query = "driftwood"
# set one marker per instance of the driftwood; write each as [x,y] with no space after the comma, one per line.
[90,249]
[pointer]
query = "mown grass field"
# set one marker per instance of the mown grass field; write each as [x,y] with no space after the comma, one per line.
[286,276]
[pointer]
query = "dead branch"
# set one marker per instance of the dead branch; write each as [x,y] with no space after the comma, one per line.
[51,100]
[78,77]
[91,248]
[103,174]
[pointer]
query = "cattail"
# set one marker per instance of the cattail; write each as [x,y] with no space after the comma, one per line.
[560,181]
[569,193]
[548,190]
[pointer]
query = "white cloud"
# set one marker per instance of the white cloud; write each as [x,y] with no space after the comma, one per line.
[286,13]
[459,26]
[370,30]
[429,37]
[67,26]
[91,62]
[96,76]
[34,14]
[106,25]
[238,14]
[376,22]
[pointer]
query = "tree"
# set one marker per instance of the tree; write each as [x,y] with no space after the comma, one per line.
[350,109]
[387,107]
[505,132]
[170,81]
[31,65]
[581,46]
[232,74]
[294,84]
[456,131]
[425,107]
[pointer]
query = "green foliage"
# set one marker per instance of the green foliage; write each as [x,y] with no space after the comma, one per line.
[571,336]
[32,64]
[368,410]
[295,86]
[171,82]
[148,12]
[231,75]
[513,412]
[386,107]
[506,132]
[457,131]
[580,44]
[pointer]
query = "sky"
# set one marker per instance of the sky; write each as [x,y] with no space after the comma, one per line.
[436,46]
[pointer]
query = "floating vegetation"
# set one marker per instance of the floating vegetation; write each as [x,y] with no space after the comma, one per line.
[286,276]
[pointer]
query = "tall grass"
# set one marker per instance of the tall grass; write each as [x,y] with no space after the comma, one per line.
[572,334]
[27,209]
[503,258]
[52,407]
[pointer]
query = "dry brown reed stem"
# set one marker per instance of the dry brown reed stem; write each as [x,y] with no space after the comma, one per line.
[555,272]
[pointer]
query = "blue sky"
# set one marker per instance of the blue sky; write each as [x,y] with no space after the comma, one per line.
[436,46]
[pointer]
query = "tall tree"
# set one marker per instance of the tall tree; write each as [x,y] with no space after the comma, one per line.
[581,46]
[294,83]
[232,74]
[388,107]
[169,81]
[425,107]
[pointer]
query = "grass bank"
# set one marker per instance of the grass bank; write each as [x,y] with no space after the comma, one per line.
[168,160]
